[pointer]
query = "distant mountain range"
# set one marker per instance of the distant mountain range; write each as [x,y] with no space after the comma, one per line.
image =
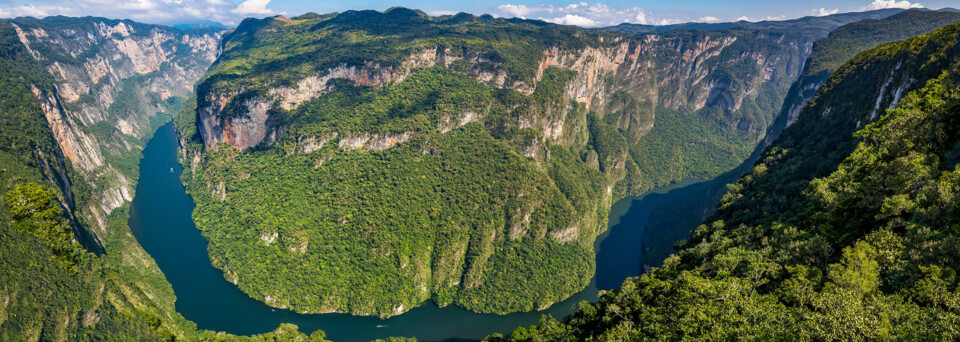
[198,24]
[811,25]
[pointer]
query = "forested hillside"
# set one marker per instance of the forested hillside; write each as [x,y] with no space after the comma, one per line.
[365,162]
[674,221]
[107,85]
[63,277]
[843,44]
[833,235]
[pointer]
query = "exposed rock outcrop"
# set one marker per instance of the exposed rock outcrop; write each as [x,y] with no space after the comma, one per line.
[115,75]
[538,119]
[628,78]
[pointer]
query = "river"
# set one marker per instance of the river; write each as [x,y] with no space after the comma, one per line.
[160,218]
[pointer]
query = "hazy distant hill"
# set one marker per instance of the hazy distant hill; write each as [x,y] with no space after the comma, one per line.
[198,24]
[811,26]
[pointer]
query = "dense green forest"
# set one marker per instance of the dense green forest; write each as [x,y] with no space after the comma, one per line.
[458,217]
[373,198]
[262,54]
[849,40]
[832,235]
[436,206]
[670,223]
[405,180]
[56,282]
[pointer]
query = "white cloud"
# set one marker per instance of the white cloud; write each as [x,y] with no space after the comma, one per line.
[521,11]
[253,7]
[441,12]
[138,5]
[775,18]
[666,21]
[824,12]
[584,14]
[881,4]
[572,19]
[34,11]
[150,11]
[708,19]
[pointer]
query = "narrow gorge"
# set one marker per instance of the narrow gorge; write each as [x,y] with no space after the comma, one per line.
[111,84]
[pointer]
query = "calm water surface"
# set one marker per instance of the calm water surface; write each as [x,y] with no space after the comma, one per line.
[160,219]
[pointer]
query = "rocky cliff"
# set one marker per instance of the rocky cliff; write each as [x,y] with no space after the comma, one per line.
[458,156]
[844,43]
[844,230]
[113,82]
[828,53]
[625,76]
[76,112]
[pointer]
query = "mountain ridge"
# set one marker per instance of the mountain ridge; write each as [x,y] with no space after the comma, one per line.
[833,234]
[817,26]
[664,229]
[569,107]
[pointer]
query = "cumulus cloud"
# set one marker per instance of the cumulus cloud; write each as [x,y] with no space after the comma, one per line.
[34,11]
[138,5]
[521,11]
[666,21]
[572,19]
[584,14]
[442,12]
[824,12]
[253,7]
[881,4]
[774,18]
[150,11]
[708,19]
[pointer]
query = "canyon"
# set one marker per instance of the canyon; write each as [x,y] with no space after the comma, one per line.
[382,160]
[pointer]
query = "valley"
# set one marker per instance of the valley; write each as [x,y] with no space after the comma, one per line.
[205,297]
[398,175]
[555,136]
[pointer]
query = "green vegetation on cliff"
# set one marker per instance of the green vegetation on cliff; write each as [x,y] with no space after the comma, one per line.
[57,283]
[460,217]
[365,162]
[669,224]
[832,235]
[262,54]
[848,40]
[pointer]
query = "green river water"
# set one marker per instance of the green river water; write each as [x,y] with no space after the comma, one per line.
[160,219]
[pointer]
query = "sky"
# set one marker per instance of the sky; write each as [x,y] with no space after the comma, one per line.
[587,14]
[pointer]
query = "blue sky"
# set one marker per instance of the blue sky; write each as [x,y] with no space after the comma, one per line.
[588,14]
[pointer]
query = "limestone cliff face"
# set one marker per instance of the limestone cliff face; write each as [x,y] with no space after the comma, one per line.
[623,81]
[845,43]
[111,80]
[800,94]
[685,73]
[255,98]
[628,79]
